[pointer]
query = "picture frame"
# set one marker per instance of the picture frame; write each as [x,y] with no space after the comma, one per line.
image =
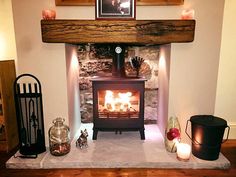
[115,9]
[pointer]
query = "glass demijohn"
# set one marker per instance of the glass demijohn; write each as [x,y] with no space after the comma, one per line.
[59,138]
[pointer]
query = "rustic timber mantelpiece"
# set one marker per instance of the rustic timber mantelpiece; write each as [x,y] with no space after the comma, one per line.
[138,2]
[130,32]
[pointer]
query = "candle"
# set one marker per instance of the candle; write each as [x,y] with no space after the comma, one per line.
[49,14]
[183,151]
[187,14]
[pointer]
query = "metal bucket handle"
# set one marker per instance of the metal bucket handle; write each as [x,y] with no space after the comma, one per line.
[227,134]
[186,128]
[196,142]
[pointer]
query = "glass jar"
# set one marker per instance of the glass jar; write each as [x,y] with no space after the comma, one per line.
[172,134]
[59,138]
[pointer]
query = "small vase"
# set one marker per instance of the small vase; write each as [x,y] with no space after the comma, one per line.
[172,134]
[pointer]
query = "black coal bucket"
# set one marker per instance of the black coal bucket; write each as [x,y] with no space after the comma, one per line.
[207,136]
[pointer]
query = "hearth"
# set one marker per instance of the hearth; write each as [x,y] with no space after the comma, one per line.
[118,101]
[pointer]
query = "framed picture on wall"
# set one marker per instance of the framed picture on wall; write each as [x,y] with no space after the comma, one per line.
[115,9]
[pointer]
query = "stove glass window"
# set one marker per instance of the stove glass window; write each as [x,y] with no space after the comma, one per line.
[118,104]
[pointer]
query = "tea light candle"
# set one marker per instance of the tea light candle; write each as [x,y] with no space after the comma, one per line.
[49,14]
[183,151]
[187,14]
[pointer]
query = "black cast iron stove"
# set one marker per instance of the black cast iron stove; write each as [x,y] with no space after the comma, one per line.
[118,101]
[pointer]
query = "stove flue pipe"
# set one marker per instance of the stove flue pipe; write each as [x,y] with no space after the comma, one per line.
[118,61]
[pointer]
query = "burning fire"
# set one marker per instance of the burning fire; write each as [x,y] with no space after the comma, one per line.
[118,102]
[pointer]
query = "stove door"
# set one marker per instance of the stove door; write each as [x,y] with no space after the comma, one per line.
[118,105]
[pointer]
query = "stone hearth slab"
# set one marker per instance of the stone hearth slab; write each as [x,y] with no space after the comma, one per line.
[112,150]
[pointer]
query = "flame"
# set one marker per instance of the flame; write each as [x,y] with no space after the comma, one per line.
[119,102]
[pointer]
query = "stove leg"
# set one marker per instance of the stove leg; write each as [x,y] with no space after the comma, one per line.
[95,133]
[142,135]
[120,132]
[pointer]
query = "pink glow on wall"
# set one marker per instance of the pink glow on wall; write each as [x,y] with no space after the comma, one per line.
[163,82]
[74,62]
[72,71]
[162,62]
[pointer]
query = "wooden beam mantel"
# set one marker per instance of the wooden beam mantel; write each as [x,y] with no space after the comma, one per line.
[130,32]
[138,2]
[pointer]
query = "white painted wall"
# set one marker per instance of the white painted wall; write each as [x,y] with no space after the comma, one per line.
[72,72]
[194,66]
[45,61]
[225,106]
[7,35]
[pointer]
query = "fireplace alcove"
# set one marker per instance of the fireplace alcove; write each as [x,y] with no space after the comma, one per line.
[137,32]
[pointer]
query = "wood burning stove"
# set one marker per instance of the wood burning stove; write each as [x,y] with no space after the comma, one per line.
[118,101]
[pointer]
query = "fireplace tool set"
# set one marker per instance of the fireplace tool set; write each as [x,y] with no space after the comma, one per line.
[29,109]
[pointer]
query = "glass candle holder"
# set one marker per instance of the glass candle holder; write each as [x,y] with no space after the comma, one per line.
[183,152]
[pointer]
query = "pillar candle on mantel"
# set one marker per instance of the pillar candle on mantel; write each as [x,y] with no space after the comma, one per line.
[49,14]
[187,14]
[183,151]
